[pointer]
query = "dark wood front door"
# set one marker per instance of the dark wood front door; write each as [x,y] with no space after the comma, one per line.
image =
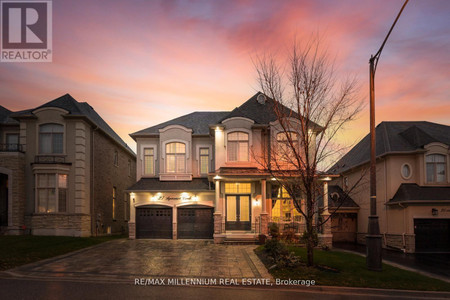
[195,223]
[238,212]
[154,222]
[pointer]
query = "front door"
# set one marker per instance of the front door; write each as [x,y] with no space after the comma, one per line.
[238,208]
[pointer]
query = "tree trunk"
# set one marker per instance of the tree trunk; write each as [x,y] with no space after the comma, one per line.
[310,243]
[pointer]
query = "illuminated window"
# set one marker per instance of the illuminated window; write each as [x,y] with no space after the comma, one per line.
[238,188]
[51,138]
[175,158]
[51,193]
[237,146]
[204,160]
[436,168]
[149,161]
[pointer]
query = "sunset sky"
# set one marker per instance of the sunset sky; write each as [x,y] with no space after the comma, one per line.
[139,63]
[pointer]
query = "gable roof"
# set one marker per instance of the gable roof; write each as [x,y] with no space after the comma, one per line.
[198,121]
[5,118]
[394,137]
[337,198]
[411,192]
[261,113]
[75,108]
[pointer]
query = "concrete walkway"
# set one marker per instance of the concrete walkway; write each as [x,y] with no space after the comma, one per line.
[128,259]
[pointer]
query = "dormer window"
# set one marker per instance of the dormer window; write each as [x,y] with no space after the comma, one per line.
[436,164]
[237,146]
[51,137]
[175,158]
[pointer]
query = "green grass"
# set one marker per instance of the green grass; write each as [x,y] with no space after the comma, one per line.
[19,250]
[350,270]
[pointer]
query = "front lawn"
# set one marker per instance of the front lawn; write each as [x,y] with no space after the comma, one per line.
[19,250]
[346,269]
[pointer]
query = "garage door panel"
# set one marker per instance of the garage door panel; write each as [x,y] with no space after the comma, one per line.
[195,223]
[154,223]
[432,235]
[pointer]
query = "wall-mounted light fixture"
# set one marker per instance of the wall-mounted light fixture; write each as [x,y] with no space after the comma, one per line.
[434,211]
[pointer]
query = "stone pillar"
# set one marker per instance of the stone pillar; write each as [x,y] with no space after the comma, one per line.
[219,237]
[217,198]
[326,238]
[264,218]
[132,231]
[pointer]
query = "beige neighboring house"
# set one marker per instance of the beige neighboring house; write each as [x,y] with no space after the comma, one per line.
[198,178]
[63,171]
[413,185]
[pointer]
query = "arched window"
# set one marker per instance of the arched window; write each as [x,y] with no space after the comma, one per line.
[175,158]
[51,138]
[436,165]
[237,146]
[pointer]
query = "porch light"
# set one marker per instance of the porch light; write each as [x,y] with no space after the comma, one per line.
[217,177]
[194,198]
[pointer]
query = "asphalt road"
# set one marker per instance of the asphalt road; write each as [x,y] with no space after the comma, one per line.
[61,289]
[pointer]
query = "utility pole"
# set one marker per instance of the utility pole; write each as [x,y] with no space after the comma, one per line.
[373,237]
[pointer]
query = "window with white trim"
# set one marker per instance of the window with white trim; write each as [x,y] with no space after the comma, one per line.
[237,146]
[149,161]
[51,193]
[204,160]
[285,148]
[436,165]
[175,158]
[51,139]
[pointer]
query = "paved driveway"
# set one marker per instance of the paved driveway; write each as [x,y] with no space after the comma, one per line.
[126,259]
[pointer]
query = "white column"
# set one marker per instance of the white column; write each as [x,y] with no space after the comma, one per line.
[325,197]
[217,198]
[263,195]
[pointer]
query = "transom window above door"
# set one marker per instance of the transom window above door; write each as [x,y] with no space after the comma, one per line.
[238,188]
[237,145]
[175,158]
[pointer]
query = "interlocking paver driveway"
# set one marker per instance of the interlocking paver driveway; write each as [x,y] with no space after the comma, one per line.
[163,258]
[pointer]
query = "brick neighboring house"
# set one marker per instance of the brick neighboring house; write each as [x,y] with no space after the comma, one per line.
[413,185]
[63,171]
[198,178]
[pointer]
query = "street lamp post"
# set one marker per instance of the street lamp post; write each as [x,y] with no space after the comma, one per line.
[373,237]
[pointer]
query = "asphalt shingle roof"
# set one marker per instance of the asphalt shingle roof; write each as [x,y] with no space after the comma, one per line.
[338,198]
[154,184]
[198,121]
[413,192]
[76,108]
[394,137]
[5,116]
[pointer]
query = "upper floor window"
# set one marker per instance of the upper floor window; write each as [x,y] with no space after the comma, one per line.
[175,158]
[285,148]
[204,160]
[114,203]
[237,146]
[51,193]
[51,137]
[149,161]
[12,141]
[116,158]
[436,168]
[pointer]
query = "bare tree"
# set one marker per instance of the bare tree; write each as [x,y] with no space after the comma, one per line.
[311,105]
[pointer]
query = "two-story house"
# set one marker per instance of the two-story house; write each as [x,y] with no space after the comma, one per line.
[199,176]
[63,171]
[413,185]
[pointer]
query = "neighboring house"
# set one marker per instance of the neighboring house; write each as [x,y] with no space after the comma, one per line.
[198,177]
[413,185]
[63,171]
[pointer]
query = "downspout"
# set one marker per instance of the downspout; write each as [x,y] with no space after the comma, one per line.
[93,220]
[385,200]
[404,224]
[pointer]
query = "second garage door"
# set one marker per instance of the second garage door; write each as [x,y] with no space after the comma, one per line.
[154,222]
[195,222]
[432,235]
